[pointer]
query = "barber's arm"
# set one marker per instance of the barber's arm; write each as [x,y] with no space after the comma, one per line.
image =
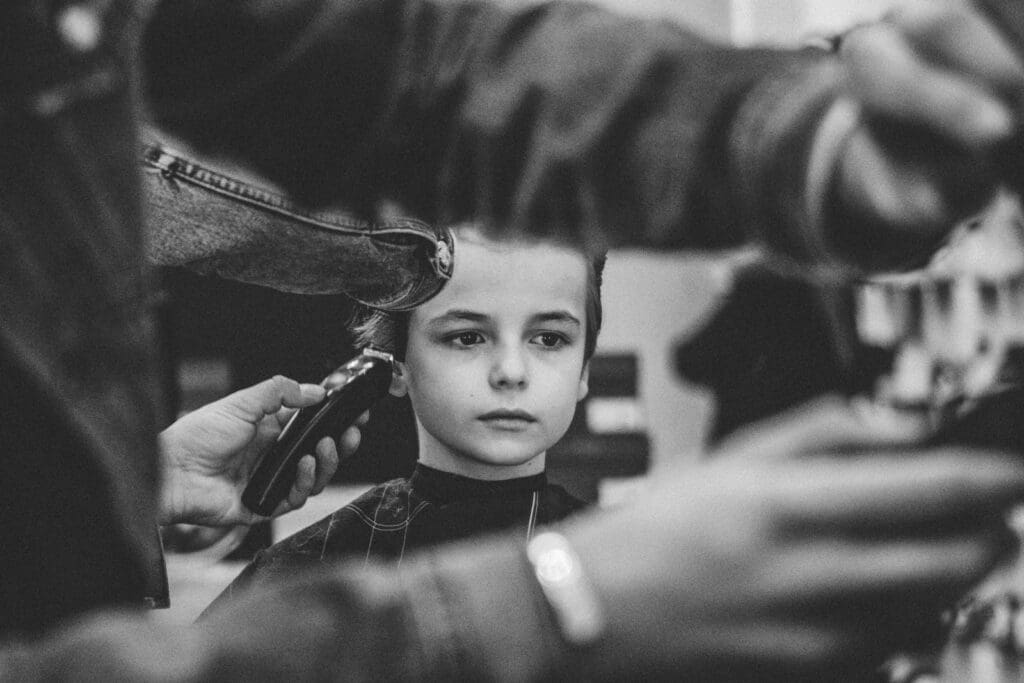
[563,118]
[207,456]
[554,116]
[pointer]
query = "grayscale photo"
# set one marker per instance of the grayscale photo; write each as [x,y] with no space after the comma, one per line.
[512,340]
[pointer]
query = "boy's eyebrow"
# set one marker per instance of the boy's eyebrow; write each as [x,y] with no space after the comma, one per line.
[456,314]
[459,314]
[558,316]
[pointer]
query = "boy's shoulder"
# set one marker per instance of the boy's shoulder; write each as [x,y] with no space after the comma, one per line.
[348,531]
[389,506]
[390,502]
[394,503]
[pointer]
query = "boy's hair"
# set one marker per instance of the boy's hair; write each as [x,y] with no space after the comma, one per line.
[389,330]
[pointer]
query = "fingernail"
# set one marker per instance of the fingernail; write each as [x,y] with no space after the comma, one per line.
[314,391]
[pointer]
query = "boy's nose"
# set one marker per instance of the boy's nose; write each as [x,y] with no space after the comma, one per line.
[509,369]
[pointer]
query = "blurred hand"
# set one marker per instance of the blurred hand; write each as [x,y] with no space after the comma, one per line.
[816,543]
[939,89]
[208,455]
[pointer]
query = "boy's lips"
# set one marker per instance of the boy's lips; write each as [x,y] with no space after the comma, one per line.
[507,416]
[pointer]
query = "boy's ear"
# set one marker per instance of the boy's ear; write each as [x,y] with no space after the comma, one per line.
[584,387]
[398,385]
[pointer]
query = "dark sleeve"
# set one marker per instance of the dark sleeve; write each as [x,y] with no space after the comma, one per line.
[556,118]
[432,620]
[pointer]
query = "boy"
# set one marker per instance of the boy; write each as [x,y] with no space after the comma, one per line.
[494,366]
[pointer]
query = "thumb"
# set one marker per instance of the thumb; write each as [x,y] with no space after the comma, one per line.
[269,396]
[828,424]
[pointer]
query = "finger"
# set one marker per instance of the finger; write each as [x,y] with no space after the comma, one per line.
[889,78]
[824,570]
[829,424]
[874,182]
[326,464]
[269,396]
[362,420]
[949,485]
[911,180]
[962,40]
[900,589]
[788,648]
[350,440]
[305,478]
[773,642]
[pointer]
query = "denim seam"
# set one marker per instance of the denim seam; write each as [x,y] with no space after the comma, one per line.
[173,167]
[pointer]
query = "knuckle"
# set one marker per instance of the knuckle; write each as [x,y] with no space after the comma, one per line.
[284,386]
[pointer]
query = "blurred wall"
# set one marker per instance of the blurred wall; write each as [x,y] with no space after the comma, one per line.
[650,302]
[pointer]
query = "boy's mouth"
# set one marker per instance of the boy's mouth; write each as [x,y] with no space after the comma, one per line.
[509,418]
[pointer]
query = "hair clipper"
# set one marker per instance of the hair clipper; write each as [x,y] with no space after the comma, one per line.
[351,389]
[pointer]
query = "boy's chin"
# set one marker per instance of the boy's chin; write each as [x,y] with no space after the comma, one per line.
[502,455]
[503,460]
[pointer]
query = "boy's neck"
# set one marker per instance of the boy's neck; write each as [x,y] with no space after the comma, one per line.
[442,459]
[484,472]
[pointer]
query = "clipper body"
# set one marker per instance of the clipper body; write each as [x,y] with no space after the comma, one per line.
[351,390]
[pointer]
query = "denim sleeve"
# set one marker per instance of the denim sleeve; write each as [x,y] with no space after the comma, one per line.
[211,222]
[554,118]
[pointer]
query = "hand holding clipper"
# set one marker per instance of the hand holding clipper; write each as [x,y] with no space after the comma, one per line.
[351,389]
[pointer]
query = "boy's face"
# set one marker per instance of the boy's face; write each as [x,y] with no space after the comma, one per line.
[494,363]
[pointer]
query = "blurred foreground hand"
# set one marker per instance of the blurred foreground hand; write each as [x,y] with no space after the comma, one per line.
[811,546]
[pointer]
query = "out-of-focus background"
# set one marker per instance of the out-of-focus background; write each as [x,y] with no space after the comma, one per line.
[640,416]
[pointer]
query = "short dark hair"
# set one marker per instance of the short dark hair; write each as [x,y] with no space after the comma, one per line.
[389,330]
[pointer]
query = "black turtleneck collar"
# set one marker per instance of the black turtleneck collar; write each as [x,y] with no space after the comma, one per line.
[445,487]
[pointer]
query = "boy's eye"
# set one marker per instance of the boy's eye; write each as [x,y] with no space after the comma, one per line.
[467,338]
[550,340]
